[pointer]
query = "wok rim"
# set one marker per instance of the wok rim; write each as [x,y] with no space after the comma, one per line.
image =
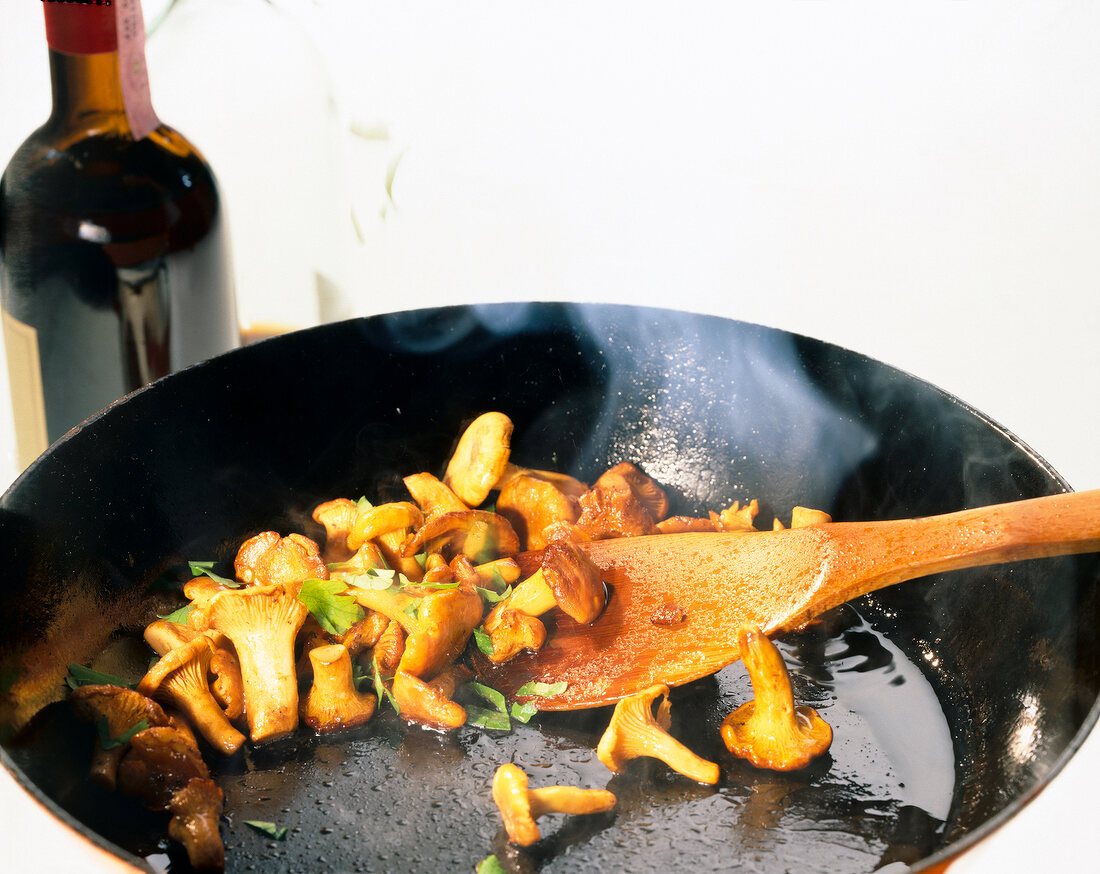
[940,860]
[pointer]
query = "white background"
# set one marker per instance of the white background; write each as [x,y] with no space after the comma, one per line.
[919,182]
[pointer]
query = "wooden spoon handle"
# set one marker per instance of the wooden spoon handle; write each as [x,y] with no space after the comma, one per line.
[866,556]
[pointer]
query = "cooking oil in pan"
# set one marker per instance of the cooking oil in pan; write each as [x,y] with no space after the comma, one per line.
[387,797]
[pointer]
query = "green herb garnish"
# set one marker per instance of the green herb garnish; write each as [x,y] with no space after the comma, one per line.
[490,865]
[112,743]
[380,689]
[82,676]
[497,718]
[205,568]
[492,597]
[482,717]
[483,641]
[334,610]
[523,712]
[378,579]
[542,690]
[179,616]
[267,828]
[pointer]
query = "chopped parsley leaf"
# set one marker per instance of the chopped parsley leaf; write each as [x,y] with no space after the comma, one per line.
[325,599]
[267,828]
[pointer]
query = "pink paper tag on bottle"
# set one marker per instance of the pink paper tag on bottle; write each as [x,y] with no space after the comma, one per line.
[133,76]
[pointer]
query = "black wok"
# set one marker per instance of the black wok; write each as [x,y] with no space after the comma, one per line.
[953,699]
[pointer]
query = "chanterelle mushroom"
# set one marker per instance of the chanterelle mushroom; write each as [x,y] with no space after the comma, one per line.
[262,622]
[432,495]
[427,703]
[531,504]
[180,677]
[520,806]
[770,731]
[338,517]
[480,457]
[623,502]
[511,632]
[567,578]
[268,559]
[196,809]
[333,702]
[634,732]
[121,709]
[472,533]
[159,762]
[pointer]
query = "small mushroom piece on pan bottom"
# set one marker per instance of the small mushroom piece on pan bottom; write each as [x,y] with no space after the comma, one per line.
[520,806]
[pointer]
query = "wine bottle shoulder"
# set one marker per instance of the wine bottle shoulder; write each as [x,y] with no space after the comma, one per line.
[124,190]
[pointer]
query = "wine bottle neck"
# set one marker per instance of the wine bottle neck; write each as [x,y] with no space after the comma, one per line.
[86,92]
[97,67]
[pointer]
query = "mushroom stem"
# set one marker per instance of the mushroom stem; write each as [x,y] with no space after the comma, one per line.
[533,596]
[333,702]
[262,622]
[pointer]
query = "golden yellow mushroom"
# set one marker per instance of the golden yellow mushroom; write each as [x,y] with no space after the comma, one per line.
[770,731]
[634,731]
[520,806]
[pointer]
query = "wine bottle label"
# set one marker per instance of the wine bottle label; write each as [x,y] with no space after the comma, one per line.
[27,398]
[78,27]
[132,73]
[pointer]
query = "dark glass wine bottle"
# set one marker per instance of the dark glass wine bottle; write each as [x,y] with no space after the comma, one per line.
[114,263]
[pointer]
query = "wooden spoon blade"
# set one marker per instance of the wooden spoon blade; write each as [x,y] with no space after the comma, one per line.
[660,624]
[676,600]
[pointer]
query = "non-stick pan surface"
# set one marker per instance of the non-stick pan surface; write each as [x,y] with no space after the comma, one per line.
[952,698]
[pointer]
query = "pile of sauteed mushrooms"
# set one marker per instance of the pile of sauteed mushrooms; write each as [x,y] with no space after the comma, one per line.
[381,611]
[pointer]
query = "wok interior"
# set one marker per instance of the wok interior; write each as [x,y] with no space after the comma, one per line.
[714,410]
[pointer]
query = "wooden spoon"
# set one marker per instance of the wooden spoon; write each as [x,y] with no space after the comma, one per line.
[677,600]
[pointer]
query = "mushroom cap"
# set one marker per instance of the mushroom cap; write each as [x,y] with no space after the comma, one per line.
[531,504]
[623,502]
[160,761]
[470,532]
[198,650]
[383,519]
[268,559]
[480,457]
[511,797]
[568,485]
[164,636]
[196,810]
[338,517]
[513,632]
[777,746]
[803,517]
[433,495]
[575,581]
[770,731]
[445,620]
